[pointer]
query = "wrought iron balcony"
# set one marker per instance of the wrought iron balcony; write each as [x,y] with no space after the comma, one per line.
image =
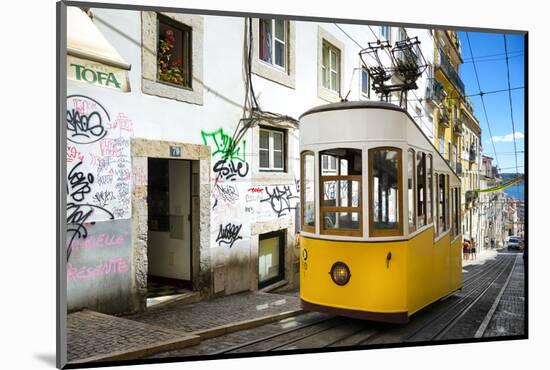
[458,169]
[435,91]
[457,127]
[445,64]
[473,154]
[444,117]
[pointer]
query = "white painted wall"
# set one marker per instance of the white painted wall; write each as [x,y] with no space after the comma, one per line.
[158,118]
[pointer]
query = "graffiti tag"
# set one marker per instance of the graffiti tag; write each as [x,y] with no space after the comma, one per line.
[225,145]
[229,234]
[85,120]
[229,170]
[280,199]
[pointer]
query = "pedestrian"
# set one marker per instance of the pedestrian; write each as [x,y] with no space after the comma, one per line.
[473,249]
[465,249]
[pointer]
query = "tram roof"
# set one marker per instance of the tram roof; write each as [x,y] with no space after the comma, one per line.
[354,105]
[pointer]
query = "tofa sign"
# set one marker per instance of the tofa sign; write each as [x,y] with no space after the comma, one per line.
[98,74]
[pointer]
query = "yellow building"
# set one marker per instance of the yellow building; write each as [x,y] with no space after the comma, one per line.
[457,132]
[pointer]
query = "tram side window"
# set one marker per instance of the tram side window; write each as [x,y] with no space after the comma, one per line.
[436,205]
[308,191]
[411,190]
[385,188]
[442,212]
[421,188]
[457,210]
[453,214]
[340,187]
[429,188]
[447,203]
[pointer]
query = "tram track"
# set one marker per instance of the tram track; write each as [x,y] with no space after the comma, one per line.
[437,327]
[335,331]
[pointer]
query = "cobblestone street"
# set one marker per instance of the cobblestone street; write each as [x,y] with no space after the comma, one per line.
[255,322]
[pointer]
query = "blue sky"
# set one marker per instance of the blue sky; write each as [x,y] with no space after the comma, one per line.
[489,55]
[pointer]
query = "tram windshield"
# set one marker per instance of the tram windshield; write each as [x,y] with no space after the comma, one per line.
[340,182]
[385,170]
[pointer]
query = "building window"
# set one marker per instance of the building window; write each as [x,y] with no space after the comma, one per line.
[272,150]
[271,258]
[331,67]
[341,205]
[171,56]
[421,188]
[411,190]
[385,200]
[308,191]
[273,42]
[385,32]
[442,146]
[173,52]
[429,189]
[365,83]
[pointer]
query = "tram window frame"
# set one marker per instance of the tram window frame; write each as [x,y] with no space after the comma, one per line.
[448,201]
[429,189]
[420,189]
[308,228]
[400,209]
[442,212]
[411,189]
[453,215]
[458,211]
[337,178]
[436,204]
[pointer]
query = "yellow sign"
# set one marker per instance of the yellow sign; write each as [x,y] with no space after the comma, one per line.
[98,74]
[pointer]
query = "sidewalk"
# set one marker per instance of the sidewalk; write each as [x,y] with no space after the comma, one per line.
[481,257]
[94,336]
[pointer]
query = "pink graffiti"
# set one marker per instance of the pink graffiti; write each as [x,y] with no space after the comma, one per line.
[99,241]
[109,147]
[139,177]
[74,154]
[83,106]
[123,122]
[116,265]
[256,190]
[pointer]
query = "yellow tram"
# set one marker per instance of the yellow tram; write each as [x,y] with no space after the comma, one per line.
[380,214]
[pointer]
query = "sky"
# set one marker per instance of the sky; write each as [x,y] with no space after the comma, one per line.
[488,52]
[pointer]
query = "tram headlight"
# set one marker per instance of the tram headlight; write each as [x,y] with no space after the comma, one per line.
[340,273]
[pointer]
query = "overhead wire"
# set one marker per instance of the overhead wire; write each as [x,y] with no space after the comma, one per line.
[510,99]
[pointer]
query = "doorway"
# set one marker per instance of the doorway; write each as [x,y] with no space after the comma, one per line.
[169,256]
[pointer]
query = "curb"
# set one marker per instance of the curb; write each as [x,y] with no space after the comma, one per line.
[183,340]
[246,324]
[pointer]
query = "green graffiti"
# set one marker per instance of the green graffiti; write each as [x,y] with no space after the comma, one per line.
[224,145]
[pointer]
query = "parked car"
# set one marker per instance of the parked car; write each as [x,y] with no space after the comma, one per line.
[514,243]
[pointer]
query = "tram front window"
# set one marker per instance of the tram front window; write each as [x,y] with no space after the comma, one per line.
[340,183]
[384,191]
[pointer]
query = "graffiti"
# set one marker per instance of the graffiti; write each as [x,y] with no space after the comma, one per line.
[227,193]
[103,197]
[122,122]
[280,199]
[297,183]
[101,240]
[77,216]
[228,169]
[249,210]
[229,234]
[85,120]
[255,190]
[115,265]
[74,154]
[78,183]
[224,145]
[104,180]
[110,147]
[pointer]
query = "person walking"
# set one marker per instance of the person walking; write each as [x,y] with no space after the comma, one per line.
[473,249]
[465,249]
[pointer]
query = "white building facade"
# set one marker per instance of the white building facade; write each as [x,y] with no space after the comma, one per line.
[171,176]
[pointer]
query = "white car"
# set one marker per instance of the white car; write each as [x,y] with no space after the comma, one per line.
[513,242]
